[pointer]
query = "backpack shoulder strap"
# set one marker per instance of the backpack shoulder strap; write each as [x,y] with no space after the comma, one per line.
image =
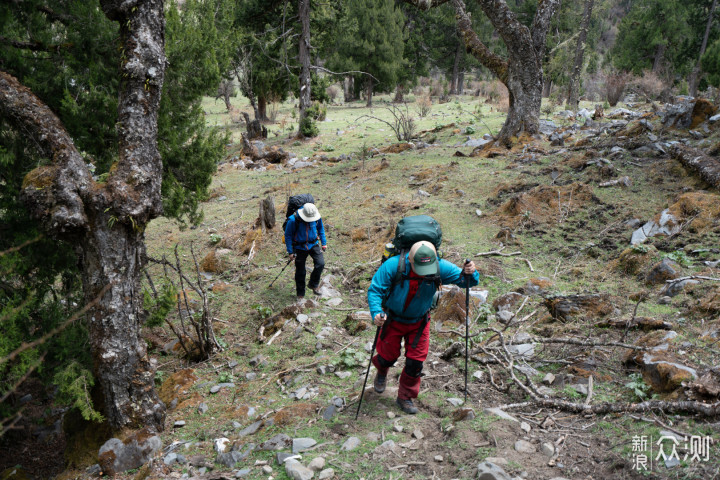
[397,278]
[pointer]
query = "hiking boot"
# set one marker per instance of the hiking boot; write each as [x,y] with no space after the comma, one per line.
[379,383]
[407,406]
[316,291]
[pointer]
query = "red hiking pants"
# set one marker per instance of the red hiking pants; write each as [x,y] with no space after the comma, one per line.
[388,349]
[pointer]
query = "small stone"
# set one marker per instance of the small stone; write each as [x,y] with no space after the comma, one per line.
[326,474]
[498,461]
[179,424]
[490,471]
[478,375]
[242,473]
[220,444]
[302,444]
[283,457]
[580,388]
[524,446]
[390,415]
[302,318]
[267,469]
[417,433]
[202,408]
[321,370]
[343,375]
[373,437]
[439,458]
[547,449]
[525,427]
[298,471]
[455,402]
[548,379]
[300,392]
[250,376]
[317,464]
[502,414]
[350,444]
[665,300]
[215,389]
[329,412]
[170,459]
[250,429]
[397,428]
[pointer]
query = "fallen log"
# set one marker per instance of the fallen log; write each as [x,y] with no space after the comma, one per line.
[706,167]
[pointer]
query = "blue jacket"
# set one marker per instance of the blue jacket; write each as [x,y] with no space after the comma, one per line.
[302,235]
[422,301]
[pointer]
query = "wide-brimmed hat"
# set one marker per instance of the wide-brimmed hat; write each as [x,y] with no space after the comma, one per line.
[423,258]
[309,213]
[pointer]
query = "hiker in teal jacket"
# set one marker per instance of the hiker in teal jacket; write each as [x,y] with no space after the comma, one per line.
[305,236]
[405,313]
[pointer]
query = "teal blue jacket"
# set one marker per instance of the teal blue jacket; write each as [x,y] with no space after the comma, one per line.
[422,301]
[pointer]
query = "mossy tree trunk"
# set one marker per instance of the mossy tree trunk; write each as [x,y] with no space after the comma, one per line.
[106,221]
[304,57]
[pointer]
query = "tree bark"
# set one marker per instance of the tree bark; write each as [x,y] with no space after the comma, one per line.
[304,56]
[522,72]
[261,111]
[399,94]
[106,221]
[574,87]
[461,82]
[701,164]
[659,54]
[369,91]
[454,88]
[695,75]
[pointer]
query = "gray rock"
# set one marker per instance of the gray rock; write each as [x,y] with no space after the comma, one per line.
[527,370]
[666,225]
[505,315]
[278,442]
[664,300]
[338,402]
[676,288]
[502,414]
[351,444]
[297,471]
[548,379]
[476,142]
[397,428]
[455,402]
[179,424]
[547,449]
[250,429]
[326,474]
[438,458]
[232,364]
[267,469]
[244,472]
[490,471]
[317,464]
[250,376]
[300,392]
[478,375]
[93,469]
[423,193]
[343,375]
[302,444]
[258,361]
[524,446]
[170,459]
[502,461]
[329,412]
[664,270]
[547,126]
[321,370]
[373,437]
[302,318]
[202,408]
[579,388]
[526,350]
[231,458]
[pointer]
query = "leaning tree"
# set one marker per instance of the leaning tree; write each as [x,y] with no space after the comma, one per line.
[521,71]
[105,221]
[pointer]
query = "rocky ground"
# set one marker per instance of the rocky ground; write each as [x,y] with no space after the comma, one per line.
[598,247]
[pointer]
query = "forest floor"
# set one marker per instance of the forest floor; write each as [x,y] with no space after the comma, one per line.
[576,277]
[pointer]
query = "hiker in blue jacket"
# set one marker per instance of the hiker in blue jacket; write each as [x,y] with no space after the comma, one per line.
[402,310]
[305,235]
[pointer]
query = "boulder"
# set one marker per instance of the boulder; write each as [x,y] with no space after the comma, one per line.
[666,224]
[278,442]
[490,471]
[297,471]
[662,271]
[117,456]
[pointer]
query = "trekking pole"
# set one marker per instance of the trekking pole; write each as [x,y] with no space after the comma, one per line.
[281,271]
[362,394]
[467,323]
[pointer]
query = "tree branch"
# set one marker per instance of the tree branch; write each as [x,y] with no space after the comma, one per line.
[55,194]
[540,26]
[475,46]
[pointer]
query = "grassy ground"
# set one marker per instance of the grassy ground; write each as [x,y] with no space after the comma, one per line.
[574,243]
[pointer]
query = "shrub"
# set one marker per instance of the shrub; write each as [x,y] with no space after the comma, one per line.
[650,85]
[418,91]
[424,105]
[614,87]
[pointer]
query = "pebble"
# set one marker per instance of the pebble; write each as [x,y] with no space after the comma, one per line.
[298,471]
[548,379]
[350,444]
[329,412]
[317,464]
[439,458]
[524,446]
[242,473]
[302,318]
[232,364]
[302,444]
[478,375]
[397,428]
[343,375]
[267,469]
[547,449]
[525,427]
[250,376]
[417,433]
[326,474]
[456,402]
[179,424]
[202,408]
[390,414]
[321,370]
[498,461]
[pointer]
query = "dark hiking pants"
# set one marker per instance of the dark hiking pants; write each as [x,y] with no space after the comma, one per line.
[318,266]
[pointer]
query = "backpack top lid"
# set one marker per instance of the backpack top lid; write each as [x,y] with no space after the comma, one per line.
[297,201]
[411,230]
